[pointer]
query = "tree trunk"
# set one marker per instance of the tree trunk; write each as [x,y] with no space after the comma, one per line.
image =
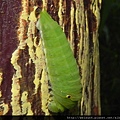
[23,79]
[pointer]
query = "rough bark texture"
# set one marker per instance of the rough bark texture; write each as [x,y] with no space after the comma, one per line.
[23,79]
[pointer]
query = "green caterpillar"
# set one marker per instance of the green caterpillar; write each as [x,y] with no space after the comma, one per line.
[62,68]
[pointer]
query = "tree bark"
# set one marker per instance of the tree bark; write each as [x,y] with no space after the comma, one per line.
[23,79]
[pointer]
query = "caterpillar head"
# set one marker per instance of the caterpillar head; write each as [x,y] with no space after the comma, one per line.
[55,107]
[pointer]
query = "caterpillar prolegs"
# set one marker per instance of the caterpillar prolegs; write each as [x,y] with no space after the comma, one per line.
[62,68]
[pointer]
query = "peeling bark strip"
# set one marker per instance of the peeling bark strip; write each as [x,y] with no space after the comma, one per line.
[9,13]
[89,56]
[27,62]
[17,108]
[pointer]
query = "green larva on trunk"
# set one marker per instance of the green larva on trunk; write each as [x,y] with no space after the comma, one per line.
[62,68]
